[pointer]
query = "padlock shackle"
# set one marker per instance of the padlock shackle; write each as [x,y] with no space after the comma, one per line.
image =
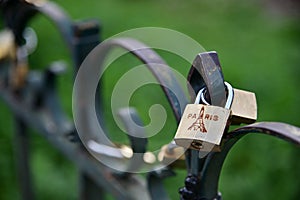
[157,66]
[230,95]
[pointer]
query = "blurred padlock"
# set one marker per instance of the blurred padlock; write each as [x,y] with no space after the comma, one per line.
[18,75]
[7,45]
[172,155]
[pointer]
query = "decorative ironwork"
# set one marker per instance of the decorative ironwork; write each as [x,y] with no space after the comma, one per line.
[32,97]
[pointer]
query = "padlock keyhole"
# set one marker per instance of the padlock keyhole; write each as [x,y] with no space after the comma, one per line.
[197,145]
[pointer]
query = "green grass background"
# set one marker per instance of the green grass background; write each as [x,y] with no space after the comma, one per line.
[259,51]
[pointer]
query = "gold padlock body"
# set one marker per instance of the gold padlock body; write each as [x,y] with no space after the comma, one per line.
[243,108]
[201,123]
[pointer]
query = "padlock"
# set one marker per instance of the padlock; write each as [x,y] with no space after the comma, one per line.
[243,108]
[172,155]
[18,75]
[203,123]
[7,45]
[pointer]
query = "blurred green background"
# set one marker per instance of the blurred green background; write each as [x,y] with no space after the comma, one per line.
[258,46]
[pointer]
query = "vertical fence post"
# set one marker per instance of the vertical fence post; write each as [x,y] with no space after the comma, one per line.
[86,37]
[22,159]
[88,189]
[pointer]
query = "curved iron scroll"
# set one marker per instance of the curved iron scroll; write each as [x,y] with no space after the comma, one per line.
[154,62]
[215,160]
[206,71]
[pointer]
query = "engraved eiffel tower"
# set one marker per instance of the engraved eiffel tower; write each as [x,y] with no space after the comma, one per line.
[199,124]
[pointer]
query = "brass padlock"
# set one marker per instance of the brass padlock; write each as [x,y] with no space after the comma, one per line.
[202,126]
[7,45]
[243,108]
[18,75]
[172,155]
[201,123]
